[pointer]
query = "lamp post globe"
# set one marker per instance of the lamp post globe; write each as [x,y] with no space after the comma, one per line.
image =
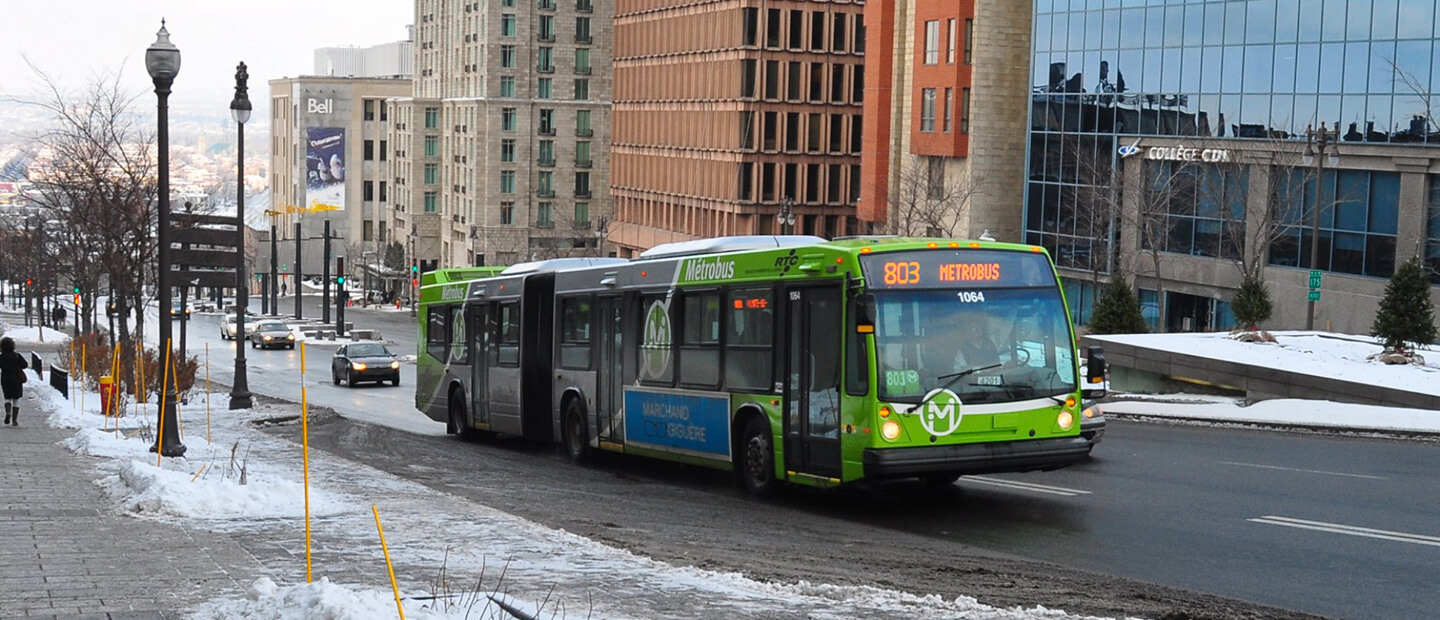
[240,397]
[162,62]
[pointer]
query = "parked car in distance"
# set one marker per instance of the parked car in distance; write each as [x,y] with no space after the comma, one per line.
[364,361]
[271,333]
[178,311]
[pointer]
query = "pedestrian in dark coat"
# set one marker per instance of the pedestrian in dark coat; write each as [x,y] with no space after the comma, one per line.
[12,379]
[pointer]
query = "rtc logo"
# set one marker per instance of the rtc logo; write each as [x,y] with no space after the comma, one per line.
[941,415]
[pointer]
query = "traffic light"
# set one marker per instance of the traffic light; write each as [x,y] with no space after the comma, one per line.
[340,279]
[29,282]
[414,268]
[77,290]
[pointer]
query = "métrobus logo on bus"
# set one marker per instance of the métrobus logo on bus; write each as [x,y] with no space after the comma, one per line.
[941,415]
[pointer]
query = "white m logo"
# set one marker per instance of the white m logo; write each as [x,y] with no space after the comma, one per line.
[941,419]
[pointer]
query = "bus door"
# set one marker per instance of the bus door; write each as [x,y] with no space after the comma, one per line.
[609,378]
[812,380]
[479,321]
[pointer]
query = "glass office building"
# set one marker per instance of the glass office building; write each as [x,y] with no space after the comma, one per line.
[1148,90]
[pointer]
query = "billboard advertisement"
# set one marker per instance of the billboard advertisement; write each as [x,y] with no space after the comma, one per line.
[325,168]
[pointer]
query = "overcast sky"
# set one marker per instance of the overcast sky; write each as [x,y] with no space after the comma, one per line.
[73,40]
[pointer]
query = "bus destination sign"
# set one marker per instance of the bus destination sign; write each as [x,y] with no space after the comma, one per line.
[950,268]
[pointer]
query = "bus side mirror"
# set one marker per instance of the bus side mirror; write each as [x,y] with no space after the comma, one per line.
[1094,373]
[864,313]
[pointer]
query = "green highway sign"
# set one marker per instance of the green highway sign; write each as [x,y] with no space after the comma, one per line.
[1315,295]
[1314,278]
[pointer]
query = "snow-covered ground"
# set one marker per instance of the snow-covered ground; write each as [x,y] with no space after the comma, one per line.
[542,564]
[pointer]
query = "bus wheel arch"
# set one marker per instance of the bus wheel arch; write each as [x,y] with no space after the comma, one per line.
[575,429]
[755,453]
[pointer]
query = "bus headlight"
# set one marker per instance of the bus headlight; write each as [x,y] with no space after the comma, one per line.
[1066,420]
[890,430]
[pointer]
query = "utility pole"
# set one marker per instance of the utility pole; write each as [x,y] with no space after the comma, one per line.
[299,313]
[273,281]
[325,278]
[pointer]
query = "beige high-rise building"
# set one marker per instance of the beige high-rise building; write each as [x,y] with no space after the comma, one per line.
[500,155]
[328,150]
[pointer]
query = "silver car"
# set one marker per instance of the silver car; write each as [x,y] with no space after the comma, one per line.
[270,333]
[229,329]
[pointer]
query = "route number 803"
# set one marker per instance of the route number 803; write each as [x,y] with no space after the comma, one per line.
[902,273]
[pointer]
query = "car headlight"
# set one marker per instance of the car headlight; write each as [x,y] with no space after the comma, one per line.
[267,339]
[358,365]
[289,336]
[395,365]
[1091,411]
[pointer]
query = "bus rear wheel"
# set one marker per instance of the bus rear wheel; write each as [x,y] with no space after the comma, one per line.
[757,459]
[577,436]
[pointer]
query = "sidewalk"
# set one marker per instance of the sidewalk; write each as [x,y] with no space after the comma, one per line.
[68,553]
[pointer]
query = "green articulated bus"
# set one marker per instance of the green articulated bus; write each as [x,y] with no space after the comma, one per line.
[786,359]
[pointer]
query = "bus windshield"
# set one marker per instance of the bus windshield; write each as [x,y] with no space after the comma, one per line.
[992,345]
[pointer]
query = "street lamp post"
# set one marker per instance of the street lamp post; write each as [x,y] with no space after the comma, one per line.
[367,264]
[162,62]
[240,111]
[1320,145]
[787,214]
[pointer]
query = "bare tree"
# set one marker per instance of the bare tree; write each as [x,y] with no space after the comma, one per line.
[99,187]
[926,201]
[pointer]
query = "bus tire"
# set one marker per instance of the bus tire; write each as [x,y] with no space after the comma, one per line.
[576,433]
[757,458]
[458,425]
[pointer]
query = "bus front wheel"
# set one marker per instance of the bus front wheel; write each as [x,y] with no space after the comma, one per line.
[577,437]
[757,458]
[458,420]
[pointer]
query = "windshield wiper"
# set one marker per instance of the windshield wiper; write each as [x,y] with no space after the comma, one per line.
[951,378]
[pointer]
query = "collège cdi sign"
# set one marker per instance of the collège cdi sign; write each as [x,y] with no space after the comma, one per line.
[1178,152]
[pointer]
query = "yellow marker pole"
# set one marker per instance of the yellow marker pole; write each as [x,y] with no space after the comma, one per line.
[207,392]
[160,413]
[305,452]
[388,566]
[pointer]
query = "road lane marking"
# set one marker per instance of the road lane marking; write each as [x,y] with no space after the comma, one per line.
[1026,486]
[1350,530]
[1305,471]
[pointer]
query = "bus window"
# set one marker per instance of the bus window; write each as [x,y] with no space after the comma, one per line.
[748,339]
[459,345]
[575,333]
[508,335]
[857,360]
[436,334]
[700,341]
[656,364]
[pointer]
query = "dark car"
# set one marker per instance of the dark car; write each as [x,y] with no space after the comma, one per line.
[364,361]
[267,334]
[178,311]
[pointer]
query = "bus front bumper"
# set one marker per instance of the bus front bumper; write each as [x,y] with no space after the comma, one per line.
[975,458]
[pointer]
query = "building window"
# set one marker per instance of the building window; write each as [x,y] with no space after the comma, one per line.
[507,151]
[582,214]
[932,42]
[367,230]
[545,59]
[750,26]
[384,148]
[545,183]
[369,109]
[582,29]
[582,123]
[369,150]
[432,174]
[544,215]
[927,109]
[582,184]
[582,153]
[432,146]
[950,41]
[547,122]
[747,78]
[544,88]
[507,181]
[1432,244]
[384,196]
[969,40]
[507,56]
[547,152]
[547,28]
[582,89]
[507,86]
[582,61]
[964,110]
[507,119]
[507,213]
[949,102]
[837,33]
[432,118]
[507,25]
[1358,220]
[432,202]
[368,190]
